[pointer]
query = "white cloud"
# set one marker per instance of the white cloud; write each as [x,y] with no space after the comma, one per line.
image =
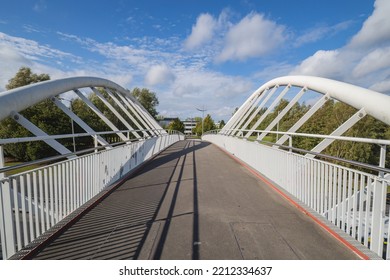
[202,32]
[10,62]
[253,36]
[364,61]
[383,86]
[196,88]
[376,60]
[318,33]
[18,52]
[159,74]
[172,75]
[322,63]
[32,50]
[376,29]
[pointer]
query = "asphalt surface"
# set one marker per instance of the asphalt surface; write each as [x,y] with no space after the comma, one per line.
[193,201]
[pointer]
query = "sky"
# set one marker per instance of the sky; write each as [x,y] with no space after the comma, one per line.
[202,53]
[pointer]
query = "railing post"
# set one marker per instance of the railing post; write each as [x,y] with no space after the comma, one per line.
[7,229]
[95,140]
[2,161]
[379,207]
[290,143]
[382,159]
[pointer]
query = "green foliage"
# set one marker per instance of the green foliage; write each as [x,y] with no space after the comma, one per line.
[208,124]
[148,100]
[45,115]
[221,124]
[327,119]
[25,77]
[176,124]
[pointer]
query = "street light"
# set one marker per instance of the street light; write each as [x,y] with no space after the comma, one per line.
[202,110]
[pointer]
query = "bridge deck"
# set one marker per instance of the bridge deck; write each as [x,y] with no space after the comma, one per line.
[194,202]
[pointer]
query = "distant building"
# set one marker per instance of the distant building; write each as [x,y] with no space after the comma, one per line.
[189,124]
[164,122]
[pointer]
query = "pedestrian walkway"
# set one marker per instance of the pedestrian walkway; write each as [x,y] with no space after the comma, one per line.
[193,201]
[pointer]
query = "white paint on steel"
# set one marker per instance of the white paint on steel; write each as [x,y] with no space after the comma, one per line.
[269,109]
[100,114]
[283,112]
[21,98]
[339,131]
[79,121]
[56,190]
[375,104]
[104,100]
[305,179]
[38,132]
[305,117]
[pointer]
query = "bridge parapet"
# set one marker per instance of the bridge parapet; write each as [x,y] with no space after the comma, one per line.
[352,200]
[352,194]
[35,201]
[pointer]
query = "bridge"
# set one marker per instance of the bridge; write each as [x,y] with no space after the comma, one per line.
[247,191]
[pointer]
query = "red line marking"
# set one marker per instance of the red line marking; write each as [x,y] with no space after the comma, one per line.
[285,196]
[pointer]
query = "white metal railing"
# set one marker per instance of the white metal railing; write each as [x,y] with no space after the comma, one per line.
[353,200]
[33,201]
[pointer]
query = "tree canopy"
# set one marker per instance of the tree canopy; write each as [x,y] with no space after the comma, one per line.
[25,77]
[221,124]
[45,115]
[208,124]
[48,117]
[148,100]
[176,124]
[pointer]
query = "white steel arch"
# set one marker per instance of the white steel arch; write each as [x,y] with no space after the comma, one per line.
[16,100]
[374,103]
[351,195]
[23,97]
[32,202]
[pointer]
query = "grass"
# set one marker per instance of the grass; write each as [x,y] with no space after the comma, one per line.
[21,169]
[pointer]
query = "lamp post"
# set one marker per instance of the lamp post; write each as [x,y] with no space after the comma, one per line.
[202,110]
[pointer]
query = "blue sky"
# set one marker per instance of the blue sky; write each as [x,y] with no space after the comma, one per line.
[198,53]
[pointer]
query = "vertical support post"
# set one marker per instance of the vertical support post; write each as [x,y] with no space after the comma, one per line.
[382,159]
[379,207]
[2,161]
[290,143]
[74,141]
[377,246]
[7,229]
[2,229]
[95,139]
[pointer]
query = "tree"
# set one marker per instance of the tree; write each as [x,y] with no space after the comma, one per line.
[45,115]
[148,100]
[208,124]
[176,124]
[25,77]
[221,124]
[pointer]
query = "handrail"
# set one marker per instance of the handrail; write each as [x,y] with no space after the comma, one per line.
[356,163]
[345,138]
[59,157]
[354,139]
[63,136]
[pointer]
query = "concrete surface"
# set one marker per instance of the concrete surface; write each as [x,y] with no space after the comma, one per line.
[195,202]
